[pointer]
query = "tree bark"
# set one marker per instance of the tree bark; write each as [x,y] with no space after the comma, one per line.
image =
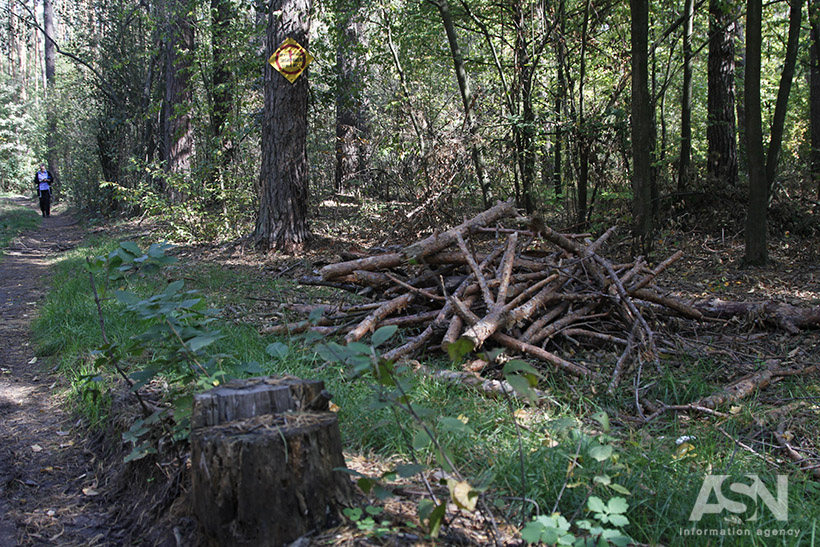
[351,110]
[686,98]
[282,222]
[786,78]
[177,129]
[642,130]
[720,118]
[50,62]
[814,94]
[755,237]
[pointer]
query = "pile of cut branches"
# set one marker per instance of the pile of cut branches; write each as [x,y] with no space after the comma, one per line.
[482,284]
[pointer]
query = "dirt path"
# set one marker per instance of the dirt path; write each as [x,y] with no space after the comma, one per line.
[48,479]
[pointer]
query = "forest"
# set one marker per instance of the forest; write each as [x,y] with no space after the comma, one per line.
[534,237]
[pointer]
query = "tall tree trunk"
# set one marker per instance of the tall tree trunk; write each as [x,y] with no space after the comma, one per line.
[761,176]
[50,61]
[560,97]
[686,98]
[755,237]
[282,222]
[814,94]
[466,99]
[720,117]
[223,13]
[525,131]
[786,78]
[642,130]
[583,137]
[351,114]
[177,130]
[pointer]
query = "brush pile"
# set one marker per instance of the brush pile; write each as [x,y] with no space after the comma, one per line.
[482,285]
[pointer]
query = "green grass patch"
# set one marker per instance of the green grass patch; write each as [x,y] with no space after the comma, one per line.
[563,455]
[14,220]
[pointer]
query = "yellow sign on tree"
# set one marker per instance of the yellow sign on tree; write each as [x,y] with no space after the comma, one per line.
[290,59]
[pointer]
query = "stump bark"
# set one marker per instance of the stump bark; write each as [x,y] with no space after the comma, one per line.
[270,479]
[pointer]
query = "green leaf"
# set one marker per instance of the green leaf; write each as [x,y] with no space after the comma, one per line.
[454,425]
[594,503]
[277,350]
[421,439]
[522,386]
[620,489]
[353,513]
[198,342]
[601,452]
[436,519]
[517,365]
[315,315]
[382,335]
[131,248]
[605,480]
[459,349]
[532,531]
[618,520]
[371,510]
[366,484]
[617,505]
[425,508]
[603,419]
[173,287]
[409,469]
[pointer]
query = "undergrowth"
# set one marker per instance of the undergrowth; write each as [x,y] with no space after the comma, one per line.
[575,470]
[14,220]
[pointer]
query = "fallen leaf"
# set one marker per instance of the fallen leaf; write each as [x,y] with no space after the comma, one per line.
[91,491]
[462,494]
[63,433]
[36,448]
[333,407]
[32,361]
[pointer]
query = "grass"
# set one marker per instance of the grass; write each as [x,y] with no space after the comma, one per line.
[14,220]
[556,442]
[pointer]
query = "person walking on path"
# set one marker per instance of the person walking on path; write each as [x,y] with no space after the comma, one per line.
[42,181]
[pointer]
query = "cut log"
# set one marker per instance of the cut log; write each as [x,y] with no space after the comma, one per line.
[250,397]
[269,480]
[438,242]
[789,318]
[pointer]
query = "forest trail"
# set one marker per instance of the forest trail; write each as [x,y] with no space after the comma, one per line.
[48,478]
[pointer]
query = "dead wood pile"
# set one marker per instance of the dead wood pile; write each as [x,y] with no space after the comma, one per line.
[481,284]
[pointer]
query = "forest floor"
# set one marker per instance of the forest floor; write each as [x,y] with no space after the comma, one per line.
[56,485]
[48,475]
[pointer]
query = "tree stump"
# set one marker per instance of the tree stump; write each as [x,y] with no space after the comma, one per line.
[250,397]
[270,479]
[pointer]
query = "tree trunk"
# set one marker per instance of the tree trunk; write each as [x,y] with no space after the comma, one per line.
[50,61]
[786,78]
[525,131]
[222,14]
[720,117]
[755,238]
[560,96]
[466,99]
[583,138]
[642,130]
[686,98]
[351,113]
[177,130]
[282,222]
[814,94]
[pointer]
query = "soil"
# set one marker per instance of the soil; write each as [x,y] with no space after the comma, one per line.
[48,477]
